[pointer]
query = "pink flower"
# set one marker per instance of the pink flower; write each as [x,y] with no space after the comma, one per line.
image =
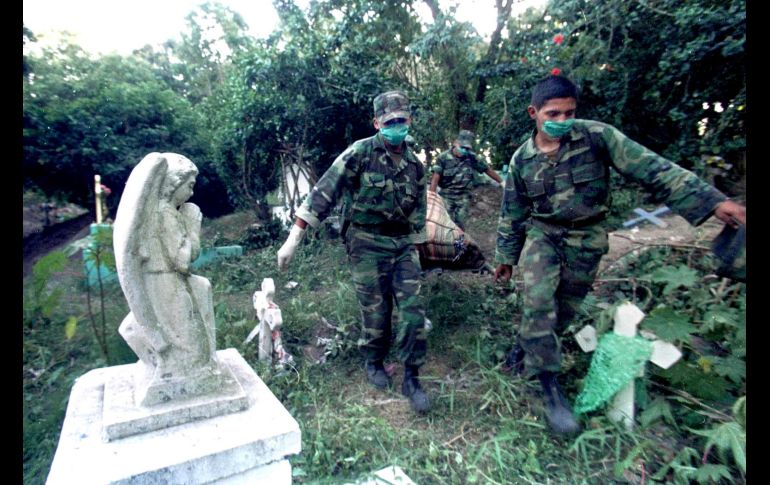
[555,71]
[523,59]
[558,38]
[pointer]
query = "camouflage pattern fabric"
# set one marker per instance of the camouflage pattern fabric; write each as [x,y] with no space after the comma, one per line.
[374,189]
[386,273]
[456,182]
[550,221]
[393,104]
[457,207]
[558,267]
[465,138]
[379,193]
[575,187]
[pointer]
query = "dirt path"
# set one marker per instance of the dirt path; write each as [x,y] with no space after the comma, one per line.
[38,243]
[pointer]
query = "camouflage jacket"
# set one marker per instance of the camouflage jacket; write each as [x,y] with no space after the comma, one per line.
[575,187]
[457,172]
[374,190]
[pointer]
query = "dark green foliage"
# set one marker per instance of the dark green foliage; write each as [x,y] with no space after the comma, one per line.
[258,236]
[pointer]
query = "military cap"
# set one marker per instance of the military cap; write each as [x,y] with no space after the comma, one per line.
[392,104]
[465,138]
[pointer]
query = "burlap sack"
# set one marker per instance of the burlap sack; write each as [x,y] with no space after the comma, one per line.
[447,246]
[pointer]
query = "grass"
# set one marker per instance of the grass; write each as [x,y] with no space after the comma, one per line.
[485,425]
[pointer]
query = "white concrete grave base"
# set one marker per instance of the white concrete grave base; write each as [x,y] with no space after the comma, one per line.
[241,447]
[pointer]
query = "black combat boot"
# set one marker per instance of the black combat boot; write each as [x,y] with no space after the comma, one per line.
[375,374]
[411,388]
[514,361]
[557,411]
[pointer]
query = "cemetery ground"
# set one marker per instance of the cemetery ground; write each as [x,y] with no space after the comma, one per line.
[485,425]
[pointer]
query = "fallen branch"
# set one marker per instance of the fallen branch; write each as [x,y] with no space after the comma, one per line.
[462,433]
[643,246]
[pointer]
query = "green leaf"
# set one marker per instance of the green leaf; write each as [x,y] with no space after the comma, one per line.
[720,317]
[669,325]
[659,408]
[70,327]
[739,411]
[727,436]
[711,473]
[54,376]
[692,379]
[674,277]
[732,367]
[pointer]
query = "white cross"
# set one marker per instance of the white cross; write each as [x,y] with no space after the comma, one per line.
[664,355]
[269,325]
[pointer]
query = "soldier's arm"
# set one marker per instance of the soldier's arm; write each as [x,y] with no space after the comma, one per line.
[418,215]
[322,199]
[482,167]
[514,211]
[680,189]
[434,181]
[437,169]
[493,175]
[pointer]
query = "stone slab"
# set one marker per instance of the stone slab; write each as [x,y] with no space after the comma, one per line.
[122,417]
[231,447]
[276,473]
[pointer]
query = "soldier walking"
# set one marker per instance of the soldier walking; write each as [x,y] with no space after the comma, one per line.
[454,172]
[556,196]
[381,185]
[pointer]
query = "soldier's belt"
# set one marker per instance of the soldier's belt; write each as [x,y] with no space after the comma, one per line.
[571,224]
[390,229]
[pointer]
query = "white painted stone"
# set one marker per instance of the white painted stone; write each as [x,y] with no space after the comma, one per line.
[622,407]
[276,473]
[627,318]
[664,354]
[390,475]
[230,448]
[586,338]
[122,417]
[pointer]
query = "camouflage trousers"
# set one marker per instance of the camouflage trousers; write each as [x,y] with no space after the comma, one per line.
[386,274]
[558,266]
[457,206]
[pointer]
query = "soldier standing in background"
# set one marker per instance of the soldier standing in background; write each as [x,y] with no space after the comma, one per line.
[382,188]
[454,172]
[556,196]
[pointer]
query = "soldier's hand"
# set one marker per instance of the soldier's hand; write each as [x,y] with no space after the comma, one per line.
[503,273]
[286,253]
[731,213]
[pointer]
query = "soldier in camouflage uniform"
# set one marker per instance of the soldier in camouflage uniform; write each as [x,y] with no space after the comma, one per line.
[555,198]
[381,185]
[454,172]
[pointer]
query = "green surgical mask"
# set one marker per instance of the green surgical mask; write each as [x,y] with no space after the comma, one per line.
[557,129]
[394,135]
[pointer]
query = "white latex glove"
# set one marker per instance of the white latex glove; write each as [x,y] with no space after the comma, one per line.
[287,250]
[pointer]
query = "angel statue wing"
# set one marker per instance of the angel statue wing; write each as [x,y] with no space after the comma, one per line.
[138,206]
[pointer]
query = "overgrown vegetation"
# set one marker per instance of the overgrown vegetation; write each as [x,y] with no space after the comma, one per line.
[486,425]
[670,74]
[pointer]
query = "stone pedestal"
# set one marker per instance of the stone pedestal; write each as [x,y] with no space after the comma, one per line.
[240,447]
